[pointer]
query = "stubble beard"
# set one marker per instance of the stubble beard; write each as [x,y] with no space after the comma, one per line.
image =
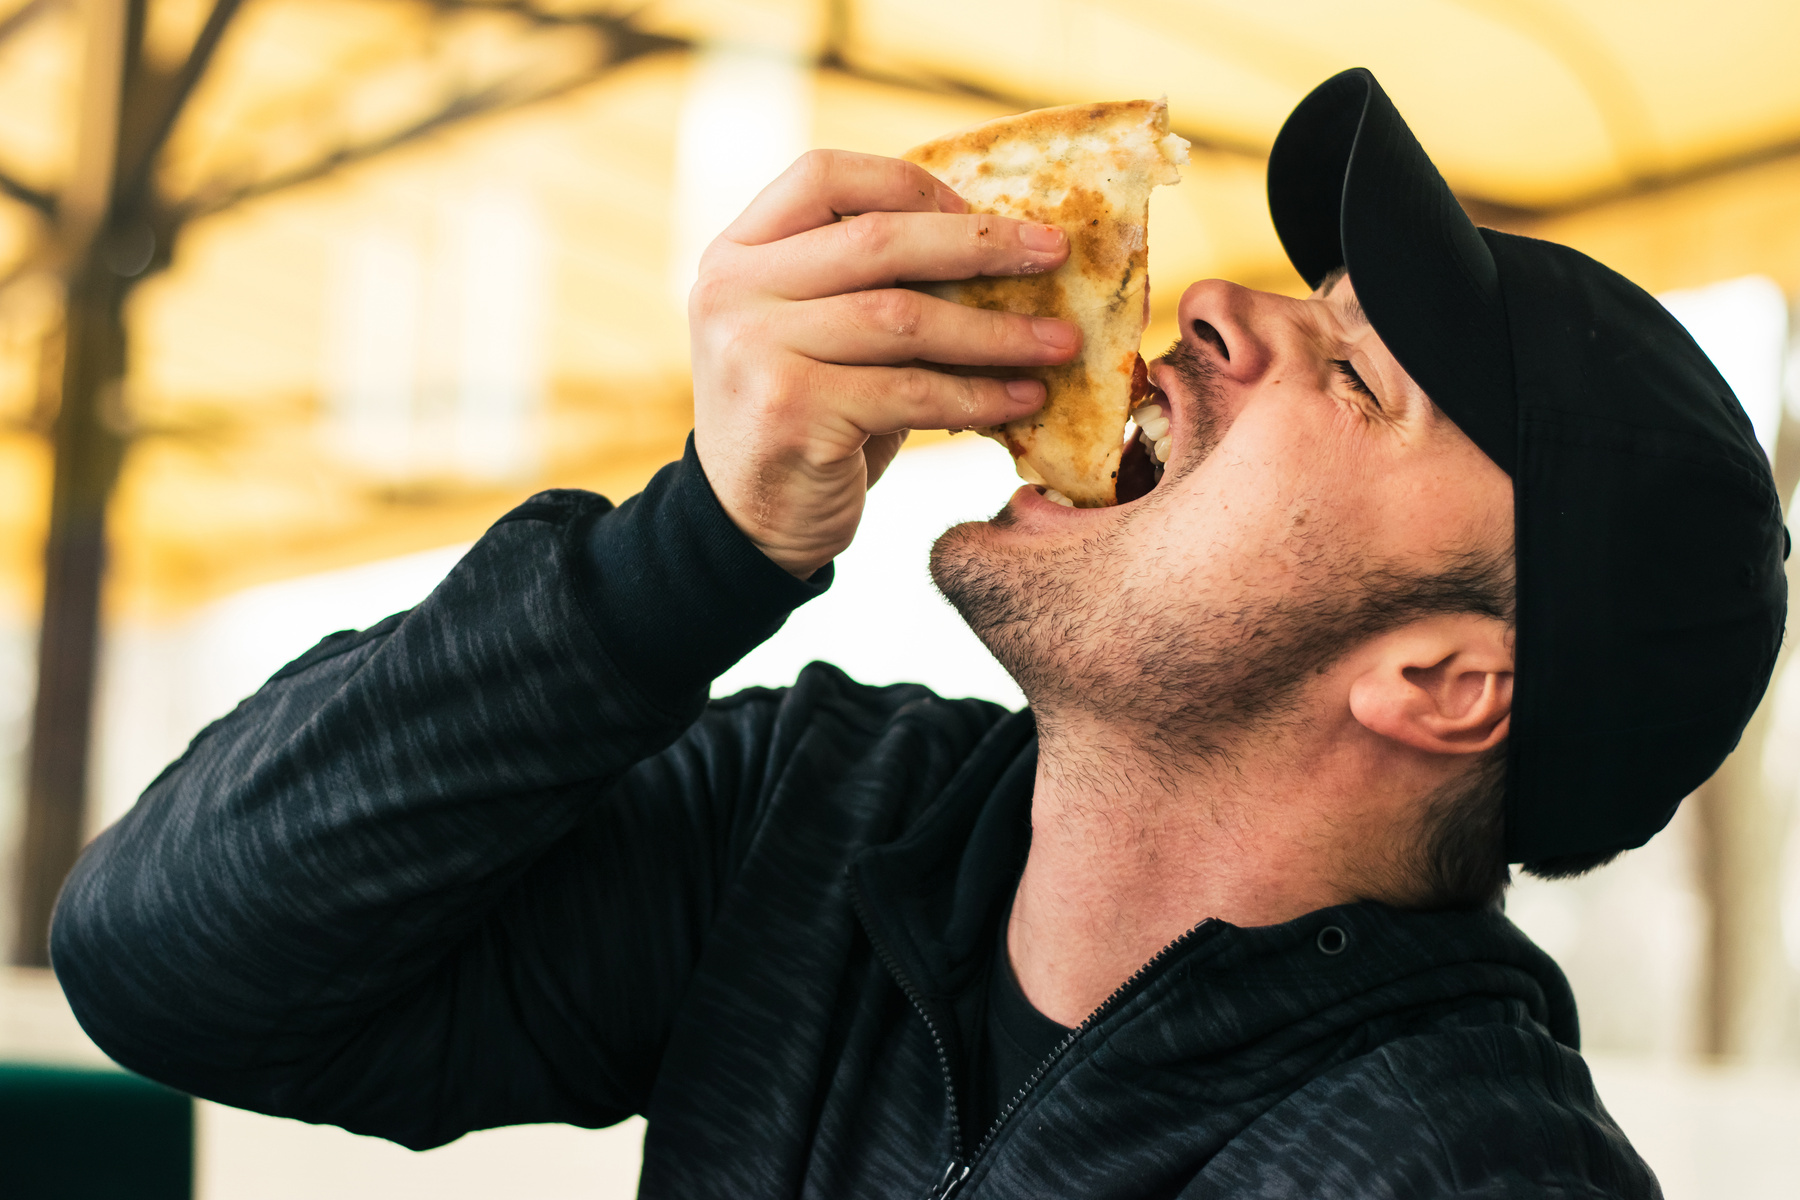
[1091,636]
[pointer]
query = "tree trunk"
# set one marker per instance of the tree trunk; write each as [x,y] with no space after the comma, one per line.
[89,450]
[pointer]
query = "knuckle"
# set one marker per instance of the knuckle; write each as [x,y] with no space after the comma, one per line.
[728,338]
[894,311]
[910,178]
[915,388]
[710,298]
[815,166]
[784,383]
[871,233]
[719,338]
[741,341]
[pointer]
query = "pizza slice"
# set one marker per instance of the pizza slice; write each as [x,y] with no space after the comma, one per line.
[1088,169]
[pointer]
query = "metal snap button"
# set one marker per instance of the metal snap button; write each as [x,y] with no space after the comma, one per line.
[1332,940]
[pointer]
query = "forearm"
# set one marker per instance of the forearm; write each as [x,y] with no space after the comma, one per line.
[329,846]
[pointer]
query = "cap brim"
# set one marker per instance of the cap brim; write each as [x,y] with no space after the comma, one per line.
[1350,186]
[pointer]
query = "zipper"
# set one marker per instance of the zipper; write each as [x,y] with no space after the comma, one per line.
[1120,994]
[957,1170]
[951,1183]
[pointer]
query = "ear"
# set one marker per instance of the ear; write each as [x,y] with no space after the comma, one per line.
[1442,685]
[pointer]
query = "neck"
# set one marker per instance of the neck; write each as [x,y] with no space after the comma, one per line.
[1131,848]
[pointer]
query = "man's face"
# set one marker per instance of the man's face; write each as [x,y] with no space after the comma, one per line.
[1305,464]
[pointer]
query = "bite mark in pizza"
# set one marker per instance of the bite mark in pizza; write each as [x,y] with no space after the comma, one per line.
[1087,169]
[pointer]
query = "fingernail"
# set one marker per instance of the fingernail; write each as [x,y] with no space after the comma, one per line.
[1058,335]
[1027,392]
[1040,237]
[948,201]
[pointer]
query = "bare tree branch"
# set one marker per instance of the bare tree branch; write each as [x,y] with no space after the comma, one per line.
[17,20]
[23,16]
[488,101]
[130,190]
[624,43]
[24,194]
[460,108]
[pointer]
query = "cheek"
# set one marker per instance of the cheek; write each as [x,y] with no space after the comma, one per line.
[1277,503]
[1236,517]
[1265,465]
[1426,513]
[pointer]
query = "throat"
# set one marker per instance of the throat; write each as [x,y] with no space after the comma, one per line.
[1128,854]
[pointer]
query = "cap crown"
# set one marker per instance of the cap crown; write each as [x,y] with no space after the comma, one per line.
[1649,542]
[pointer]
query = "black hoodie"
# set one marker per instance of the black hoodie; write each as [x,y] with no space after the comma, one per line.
[496,860]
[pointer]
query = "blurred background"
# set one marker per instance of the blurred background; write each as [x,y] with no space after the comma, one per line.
[298,296]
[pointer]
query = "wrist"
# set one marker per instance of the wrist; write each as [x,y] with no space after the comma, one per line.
[800,538]
[801,564]
[677,592]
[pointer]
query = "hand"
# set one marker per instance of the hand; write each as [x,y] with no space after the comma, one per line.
[806,375]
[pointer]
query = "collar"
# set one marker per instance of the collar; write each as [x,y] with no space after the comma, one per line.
[931,898]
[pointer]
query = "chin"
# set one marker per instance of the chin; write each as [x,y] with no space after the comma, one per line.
[968,571]
[1044,606]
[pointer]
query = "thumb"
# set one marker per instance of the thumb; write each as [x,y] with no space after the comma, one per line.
[879,452]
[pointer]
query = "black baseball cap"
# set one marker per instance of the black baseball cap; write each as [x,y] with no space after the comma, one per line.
[1649,542]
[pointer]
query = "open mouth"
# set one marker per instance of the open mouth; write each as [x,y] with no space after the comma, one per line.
[1148,439]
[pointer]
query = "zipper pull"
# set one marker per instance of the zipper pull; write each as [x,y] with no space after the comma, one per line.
[951,1183]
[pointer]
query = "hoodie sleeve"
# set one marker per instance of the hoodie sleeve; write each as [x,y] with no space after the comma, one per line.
[451,871]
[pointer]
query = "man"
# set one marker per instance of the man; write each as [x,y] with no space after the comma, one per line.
[1217,916]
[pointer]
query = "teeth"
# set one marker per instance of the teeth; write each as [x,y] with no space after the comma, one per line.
[1156,426]
[1163,445]
[1056,497]
[1028,473]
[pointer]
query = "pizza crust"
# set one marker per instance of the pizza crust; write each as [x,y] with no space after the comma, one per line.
[1087,169]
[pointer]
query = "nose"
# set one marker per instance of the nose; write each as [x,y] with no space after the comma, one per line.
[1224,316]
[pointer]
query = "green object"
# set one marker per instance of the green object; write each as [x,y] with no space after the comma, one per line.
[73,1134]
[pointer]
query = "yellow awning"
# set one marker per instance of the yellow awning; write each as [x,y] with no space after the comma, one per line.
[372,153]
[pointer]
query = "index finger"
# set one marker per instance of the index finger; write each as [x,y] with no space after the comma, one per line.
[825,185]
[879,249]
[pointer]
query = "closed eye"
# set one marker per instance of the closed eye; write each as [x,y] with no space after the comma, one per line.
[1349,375]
